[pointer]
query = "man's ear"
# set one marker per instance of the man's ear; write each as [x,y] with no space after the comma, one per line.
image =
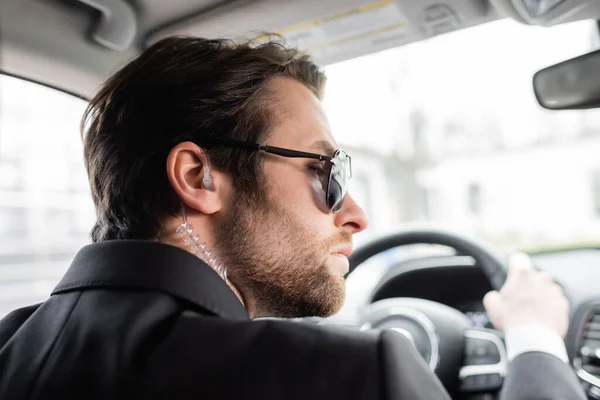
[186,166]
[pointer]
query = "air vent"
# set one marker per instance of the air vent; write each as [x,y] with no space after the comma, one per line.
[589,347]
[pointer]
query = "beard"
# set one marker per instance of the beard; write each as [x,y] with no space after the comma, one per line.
[278,264]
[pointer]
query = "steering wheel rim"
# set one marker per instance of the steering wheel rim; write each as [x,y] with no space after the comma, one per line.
[492,266]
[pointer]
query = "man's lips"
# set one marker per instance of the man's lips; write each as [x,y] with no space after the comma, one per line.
[342,251]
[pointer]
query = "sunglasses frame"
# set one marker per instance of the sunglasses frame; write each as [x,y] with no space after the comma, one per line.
[289,153]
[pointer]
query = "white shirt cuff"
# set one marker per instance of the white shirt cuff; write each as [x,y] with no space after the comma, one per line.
[534,337]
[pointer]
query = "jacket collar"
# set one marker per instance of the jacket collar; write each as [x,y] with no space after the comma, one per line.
[146,265]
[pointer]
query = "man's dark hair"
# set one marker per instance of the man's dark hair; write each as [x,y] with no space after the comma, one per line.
[180,89]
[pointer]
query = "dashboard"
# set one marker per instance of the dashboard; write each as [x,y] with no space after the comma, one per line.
[479,318]
[451,280]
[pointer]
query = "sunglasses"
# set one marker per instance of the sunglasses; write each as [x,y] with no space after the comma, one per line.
[334,177]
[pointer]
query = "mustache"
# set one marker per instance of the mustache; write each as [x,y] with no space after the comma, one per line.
[343,238]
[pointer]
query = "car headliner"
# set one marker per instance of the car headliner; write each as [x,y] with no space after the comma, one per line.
[58,43]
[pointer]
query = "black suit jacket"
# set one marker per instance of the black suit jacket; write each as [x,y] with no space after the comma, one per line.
[141,320]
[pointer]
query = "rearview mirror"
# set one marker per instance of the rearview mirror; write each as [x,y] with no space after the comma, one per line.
[569,85]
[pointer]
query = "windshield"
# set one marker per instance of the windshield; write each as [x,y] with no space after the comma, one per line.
[448,131]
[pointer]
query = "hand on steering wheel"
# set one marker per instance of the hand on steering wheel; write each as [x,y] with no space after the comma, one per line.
[528,297]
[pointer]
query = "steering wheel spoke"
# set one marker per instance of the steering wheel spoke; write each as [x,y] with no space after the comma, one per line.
[485,361]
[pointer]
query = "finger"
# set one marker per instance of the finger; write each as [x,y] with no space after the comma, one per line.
[492,302]
[564,302]
[491,299]
[518,262]
[558,289]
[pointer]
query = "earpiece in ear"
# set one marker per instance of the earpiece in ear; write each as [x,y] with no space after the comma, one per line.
[207,182]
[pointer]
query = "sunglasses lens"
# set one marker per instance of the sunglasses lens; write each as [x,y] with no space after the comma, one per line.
[338,181]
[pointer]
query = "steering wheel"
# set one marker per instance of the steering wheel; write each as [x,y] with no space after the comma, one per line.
[465,359]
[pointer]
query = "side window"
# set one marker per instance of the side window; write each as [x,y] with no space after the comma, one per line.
[44,200]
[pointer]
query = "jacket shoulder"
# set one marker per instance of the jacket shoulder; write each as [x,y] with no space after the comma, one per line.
[13,321]
[283,359]
[290,360]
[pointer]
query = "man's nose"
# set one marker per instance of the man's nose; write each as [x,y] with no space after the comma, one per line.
[351,217]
